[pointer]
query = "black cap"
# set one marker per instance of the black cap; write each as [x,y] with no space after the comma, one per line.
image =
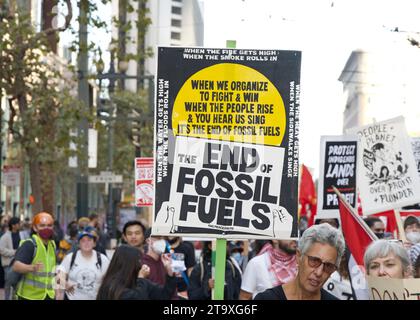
[14,220]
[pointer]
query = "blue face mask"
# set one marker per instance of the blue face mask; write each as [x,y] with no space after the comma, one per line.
[238,257]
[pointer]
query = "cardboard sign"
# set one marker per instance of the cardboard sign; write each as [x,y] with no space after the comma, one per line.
[144,181]
[226,143]
[393,289]
[337,168]
[386,172]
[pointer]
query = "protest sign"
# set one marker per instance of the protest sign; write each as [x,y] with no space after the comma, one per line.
[415,144]
[381,288]
[338,169]
[226,143]
[386,171]
[338,287]
[144,181]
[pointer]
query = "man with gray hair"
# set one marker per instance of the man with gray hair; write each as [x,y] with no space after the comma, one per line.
[319,253]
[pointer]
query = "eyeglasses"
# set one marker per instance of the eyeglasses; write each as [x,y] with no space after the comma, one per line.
[315,262]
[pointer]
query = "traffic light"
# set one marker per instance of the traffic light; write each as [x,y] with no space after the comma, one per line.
[103,109]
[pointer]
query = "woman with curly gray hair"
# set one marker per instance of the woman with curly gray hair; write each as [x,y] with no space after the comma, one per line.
[319,253]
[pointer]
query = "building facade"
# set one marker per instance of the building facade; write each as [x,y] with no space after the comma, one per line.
[382,83]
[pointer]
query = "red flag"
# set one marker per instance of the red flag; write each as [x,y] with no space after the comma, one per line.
[391,221]
[307,195]
[358,236]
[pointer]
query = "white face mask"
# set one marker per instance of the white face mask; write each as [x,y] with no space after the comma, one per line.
[413,237]
[159,246]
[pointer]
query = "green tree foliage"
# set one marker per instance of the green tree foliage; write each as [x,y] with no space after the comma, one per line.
[42,93]
[43,103]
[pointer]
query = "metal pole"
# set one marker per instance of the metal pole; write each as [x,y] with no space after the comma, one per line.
[83,94]
[1,142]
[111,220]
[3,9]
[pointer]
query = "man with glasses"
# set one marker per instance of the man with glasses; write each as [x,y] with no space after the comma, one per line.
[319,253]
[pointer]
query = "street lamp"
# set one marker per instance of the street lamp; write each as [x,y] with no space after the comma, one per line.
[112,76]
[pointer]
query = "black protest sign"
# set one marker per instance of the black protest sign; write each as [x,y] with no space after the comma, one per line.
[226,142]
[338,169]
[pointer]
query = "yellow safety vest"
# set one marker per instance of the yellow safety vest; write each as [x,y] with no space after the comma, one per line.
[39,285]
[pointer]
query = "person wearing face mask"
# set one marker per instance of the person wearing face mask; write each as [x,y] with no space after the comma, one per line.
[153,258]
[237,253]
[35,259]
[202,282]
[412,231]
[184,251]
[376,225]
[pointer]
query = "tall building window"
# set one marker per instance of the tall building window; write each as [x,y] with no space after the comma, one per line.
[176,23]
[175,36]
[176,10]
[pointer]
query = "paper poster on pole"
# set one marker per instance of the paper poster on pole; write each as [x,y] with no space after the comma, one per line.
[386,173]
[415,144]
[11,175]
[381,288]
[337,168]
[144,182]
[226,143]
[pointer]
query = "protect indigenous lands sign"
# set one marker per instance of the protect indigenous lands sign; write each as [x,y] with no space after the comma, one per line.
[387,173]
[226,143]
[338,169]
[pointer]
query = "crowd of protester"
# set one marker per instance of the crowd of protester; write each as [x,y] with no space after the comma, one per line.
[76,265]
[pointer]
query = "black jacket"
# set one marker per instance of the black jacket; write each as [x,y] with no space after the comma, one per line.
[199,279]
[147,290]
[277,293]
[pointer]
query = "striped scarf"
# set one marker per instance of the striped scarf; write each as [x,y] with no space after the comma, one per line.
[282,265]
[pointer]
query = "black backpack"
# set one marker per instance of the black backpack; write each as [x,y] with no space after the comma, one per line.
[14,277]
[98,257]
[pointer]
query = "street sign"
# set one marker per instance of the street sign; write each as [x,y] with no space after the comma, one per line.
[11,175]
[108,178]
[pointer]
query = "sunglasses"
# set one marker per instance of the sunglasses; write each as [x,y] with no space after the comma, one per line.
[315,262]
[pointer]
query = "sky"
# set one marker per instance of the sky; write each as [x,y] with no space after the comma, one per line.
[326,31]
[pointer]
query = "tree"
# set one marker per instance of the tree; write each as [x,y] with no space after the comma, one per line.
[43,107]
[41,93]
